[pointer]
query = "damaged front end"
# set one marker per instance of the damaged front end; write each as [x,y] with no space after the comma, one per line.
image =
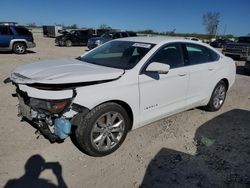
[46,91]
[51,117]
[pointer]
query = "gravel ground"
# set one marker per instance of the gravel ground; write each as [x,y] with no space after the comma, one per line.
[191,149]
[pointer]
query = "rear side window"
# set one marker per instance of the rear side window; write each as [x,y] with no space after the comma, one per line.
[124,34]
[4,30]
[116,36]
[198,54]
[22,31]
[132,34]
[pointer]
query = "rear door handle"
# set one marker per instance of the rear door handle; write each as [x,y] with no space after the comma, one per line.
[211,69]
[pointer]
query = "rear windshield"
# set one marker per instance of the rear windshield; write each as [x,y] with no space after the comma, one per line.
[22,31]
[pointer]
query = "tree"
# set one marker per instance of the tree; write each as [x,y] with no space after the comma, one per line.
[33,24]
[74,26]
[211,21]
[104,26]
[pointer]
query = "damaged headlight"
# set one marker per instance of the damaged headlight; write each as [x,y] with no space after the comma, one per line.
[50,106]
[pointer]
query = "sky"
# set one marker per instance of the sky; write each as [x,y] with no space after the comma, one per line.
[185,16]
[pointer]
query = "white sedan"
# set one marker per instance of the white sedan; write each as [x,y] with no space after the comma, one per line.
[119,86]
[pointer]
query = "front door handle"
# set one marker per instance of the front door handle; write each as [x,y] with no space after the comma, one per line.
[184,74]
[211,69]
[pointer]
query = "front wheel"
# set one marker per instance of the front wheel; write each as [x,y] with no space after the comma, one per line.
[103,129]
[218,97]
[68,43]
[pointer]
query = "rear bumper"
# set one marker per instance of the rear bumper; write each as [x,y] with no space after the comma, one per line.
[31,44]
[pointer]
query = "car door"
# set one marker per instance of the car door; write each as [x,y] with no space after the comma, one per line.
[76,38]
[202,63]
[5,36]
[83,37]
[163,94]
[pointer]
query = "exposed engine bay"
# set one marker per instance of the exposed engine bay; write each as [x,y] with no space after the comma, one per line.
[52,118]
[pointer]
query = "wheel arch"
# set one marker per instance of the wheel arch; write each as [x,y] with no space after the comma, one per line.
[127,108]
[225,80]
[13,42]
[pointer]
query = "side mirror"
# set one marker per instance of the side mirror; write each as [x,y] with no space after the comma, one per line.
[157,67]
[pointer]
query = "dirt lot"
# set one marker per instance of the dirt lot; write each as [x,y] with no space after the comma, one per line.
[192,149]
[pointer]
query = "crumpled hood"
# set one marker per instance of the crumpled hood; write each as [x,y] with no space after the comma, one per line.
[63,71]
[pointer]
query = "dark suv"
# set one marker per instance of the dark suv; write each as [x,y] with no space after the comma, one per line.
[96,41]
[75,37]
[218,43]
[15,38]
[240,49]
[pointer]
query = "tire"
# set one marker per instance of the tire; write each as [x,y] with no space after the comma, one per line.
[218,97]
[68,43]
[19,48]
[247,71]
[103,129]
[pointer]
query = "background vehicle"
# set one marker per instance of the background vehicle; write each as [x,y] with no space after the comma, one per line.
[96,41]
[52,30]
[194,39]
[239,49]
[74,37]
[108,91]
[247,66]
[15,38]
[218,43]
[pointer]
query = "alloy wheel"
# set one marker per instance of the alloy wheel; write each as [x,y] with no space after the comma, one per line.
[219,96]
[107,131]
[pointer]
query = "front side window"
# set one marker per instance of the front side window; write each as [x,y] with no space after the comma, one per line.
[118,54]
[198,54]
[170,54]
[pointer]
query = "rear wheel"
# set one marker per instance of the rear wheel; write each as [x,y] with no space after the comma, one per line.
[19,48]
[218,97]
[103,129]
[247,71]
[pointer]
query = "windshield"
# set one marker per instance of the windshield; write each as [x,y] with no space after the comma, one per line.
[118,54]
[244,40]
[73,32]
[107,35]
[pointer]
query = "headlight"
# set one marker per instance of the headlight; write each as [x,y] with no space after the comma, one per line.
[244,50]
[98,42]
[49,106]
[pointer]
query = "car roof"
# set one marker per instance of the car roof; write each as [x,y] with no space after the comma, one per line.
[80,29]
[157,39]
[161,40]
